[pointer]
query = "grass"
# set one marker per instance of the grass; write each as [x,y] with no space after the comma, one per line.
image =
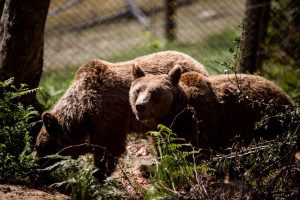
[280,173]
[284,76]
[56,81]
[126,39]
[87,10]
[54,85]
[204,38]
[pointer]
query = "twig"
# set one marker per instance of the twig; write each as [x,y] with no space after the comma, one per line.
[253,149]
[170,190]
[197,177]
[126,177]
[286,154]
[71,146]
[176,117]
[278,175]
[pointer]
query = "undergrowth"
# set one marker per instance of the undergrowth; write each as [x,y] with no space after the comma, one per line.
[175,174]
[78,178]
[262,170]
[265,169]
[16,122]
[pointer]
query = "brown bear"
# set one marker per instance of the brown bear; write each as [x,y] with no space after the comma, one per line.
[96,107]
[206,111]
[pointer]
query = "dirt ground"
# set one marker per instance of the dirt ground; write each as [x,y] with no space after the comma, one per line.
[10,192]
[127,172]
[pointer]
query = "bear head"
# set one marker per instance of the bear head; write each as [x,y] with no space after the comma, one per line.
[151,96]
[51,138]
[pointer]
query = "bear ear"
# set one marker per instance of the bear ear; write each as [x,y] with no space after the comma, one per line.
[137,71]
[175,74]
[51,124]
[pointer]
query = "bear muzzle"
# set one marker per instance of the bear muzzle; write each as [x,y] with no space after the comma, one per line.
[140,107]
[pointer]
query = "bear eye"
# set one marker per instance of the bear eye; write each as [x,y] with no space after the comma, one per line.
[137,91]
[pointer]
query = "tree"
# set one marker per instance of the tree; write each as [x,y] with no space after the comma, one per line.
[170,27]
[255,27]
[22,25]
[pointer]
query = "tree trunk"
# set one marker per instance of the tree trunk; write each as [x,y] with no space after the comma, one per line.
[22,27]
[170,27]
[255,27]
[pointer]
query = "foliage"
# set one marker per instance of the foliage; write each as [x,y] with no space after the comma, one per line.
[54,86]
[283,41]
[283,46]
[175,171]
[262,170]
[285,76]
[79,177]
[153,45]
[16,121]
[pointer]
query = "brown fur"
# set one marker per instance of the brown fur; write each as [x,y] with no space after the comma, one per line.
[96,109]
[221,115]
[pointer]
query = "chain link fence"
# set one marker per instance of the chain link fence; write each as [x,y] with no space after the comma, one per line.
[117,30]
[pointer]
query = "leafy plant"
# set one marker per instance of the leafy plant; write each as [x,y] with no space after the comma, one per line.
[264,169]
[16,121]
[78,177]
[175,170]
[153,45]
[282,42]
[54,86]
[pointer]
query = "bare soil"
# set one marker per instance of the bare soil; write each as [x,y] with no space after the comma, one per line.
[11,192]
[128,172]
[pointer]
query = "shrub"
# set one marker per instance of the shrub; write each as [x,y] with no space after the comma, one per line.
[15,125]
[264,169]
[283,46]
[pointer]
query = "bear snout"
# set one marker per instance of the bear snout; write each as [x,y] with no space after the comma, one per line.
[140,107]
[141,111]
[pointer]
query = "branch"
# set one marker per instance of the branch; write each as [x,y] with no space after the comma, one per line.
[121,14]
[63,7]
[202,187]
[137,12]
[278,175]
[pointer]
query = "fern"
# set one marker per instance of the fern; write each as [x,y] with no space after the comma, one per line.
[175,169]
[16,121]
[79,177]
